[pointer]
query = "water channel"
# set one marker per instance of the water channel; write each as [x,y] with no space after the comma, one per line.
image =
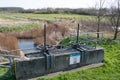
[25,44]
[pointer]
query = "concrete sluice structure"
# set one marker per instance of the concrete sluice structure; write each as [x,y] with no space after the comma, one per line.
[42,63]
[45,60]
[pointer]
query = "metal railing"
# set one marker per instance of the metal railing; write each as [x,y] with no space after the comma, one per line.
[10,64]
[87,39]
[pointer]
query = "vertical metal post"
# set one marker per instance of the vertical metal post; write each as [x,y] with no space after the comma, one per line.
[78,33]
[11,61]
[48,57]
[102,39]
[45,36]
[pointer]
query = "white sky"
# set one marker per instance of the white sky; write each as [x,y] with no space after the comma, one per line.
[49,3]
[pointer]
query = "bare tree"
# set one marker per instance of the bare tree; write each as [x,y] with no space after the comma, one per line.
[115,18]
[99,14]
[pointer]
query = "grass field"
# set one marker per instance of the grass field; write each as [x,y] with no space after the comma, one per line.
[19,28]
[18,16]
[43,17]
[21,22]
[11,20]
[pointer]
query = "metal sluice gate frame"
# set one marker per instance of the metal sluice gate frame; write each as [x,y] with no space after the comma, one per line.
[49,60]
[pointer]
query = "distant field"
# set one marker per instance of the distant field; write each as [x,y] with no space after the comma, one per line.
[20,20]
[24,21]
[18,16]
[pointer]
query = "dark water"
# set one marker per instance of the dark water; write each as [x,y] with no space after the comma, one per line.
[25,44]
[28,48]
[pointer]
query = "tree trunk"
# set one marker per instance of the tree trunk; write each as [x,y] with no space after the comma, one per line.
[115,34]
[98,31]
[98,27]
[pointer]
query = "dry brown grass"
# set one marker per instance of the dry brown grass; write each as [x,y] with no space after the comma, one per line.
[54,34]
[40,41]
[9,43]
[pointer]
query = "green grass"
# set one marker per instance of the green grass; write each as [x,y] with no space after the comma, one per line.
[18,28]
[4,74]
[52,17]
[8,18]
[3,70]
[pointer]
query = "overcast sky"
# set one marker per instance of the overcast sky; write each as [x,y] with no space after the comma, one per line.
[27,4]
